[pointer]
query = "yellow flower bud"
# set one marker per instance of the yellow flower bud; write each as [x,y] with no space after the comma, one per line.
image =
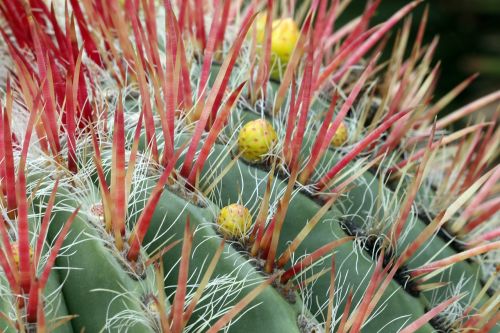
[285,34]
[234,221]
[15,253]
[340,136]
[256,139]
[284,37]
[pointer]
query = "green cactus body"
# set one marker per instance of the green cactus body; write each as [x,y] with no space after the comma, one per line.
[243,183]
[5,308]
[266,306]
[168,223]
[166,121]
[360,204]
[97,288]
[55,308]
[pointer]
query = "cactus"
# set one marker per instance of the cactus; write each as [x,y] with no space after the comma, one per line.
[198,166]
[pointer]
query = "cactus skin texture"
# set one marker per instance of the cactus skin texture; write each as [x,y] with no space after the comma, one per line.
[206,166]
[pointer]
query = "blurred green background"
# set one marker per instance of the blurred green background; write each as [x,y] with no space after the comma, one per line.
[469,41]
